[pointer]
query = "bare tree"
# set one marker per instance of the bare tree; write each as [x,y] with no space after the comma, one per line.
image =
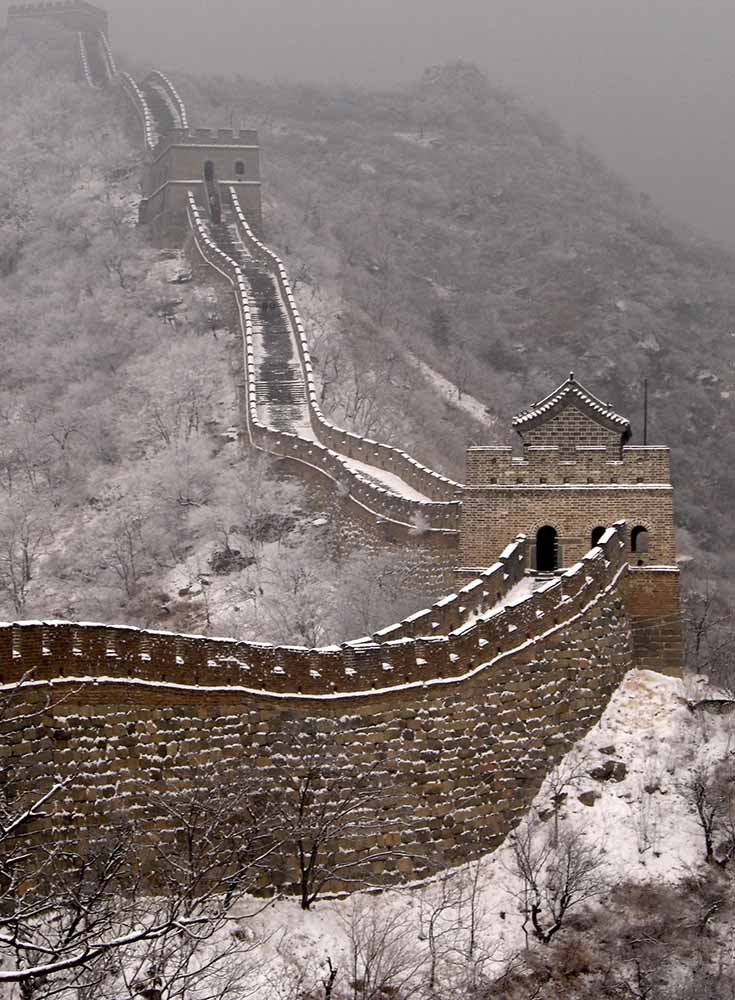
[711,792]
[323,810]
[127,547]
[566,775]
[709,635]
[554,877]
[384,961]
[81,910]
[24,528]
[440,919]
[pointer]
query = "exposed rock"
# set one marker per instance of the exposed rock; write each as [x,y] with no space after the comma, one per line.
[588,798]
[228,560]
[611,770]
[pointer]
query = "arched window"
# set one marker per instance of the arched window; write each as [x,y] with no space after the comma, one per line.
[240,168]
[209,171]
[596,535]
[547,556]
[639,541]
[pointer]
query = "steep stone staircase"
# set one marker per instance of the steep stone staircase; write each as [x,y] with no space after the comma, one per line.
[280,388]
[162,115]
[96,62]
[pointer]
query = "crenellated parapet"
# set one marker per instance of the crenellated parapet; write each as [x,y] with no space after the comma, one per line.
[464,632]
[206,137]
[140,106]
[392,460]
[571,463]
[463,727]
[163,84]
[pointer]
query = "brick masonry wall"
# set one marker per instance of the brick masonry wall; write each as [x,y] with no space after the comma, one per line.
[490,514]
[462,757]
[580,464]
[652,599]
[571,427]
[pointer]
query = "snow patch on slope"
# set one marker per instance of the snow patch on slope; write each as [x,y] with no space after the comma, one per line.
[645,825]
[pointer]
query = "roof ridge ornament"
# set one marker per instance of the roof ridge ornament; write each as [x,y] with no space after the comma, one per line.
[572,390]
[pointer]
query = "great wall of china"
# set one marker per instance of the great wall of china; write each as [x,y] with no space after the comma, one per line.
[463,707]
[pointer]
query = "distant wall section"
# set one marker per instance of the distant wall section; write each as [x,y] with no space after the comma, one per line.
[75,15]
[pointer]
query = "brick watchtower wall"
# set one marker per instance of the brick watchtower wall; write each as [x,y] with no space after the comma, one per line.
[575,474]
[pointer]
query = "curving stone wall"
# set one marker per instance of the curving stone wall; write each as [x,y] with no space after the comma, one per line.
[459,710]
[137,99]
[164,85]
[432,484]
[434,522]
[312,458]
[460,741]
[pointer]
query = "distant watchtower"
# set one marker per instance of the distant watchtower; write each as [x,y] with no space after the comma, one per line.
[76,15]
[576,475]
[198,159]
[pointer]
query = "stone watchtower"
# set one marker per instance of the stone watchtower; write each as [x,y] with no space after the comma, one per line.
[576,474]
[198,160]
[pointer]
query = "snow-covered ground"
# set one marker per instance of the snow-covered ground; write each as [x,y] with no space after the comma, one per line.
[391,481]
[640,819]
[448,391]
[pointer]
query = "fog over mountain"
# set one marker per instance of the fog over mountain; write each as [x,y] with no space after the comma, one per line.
[649,83]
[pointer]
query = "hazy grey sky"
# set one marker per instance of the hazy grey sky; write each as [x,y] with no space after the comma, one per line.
[651,83]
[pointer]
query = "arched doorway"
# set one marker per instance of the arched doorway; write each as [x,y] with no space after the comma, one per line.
[596,535]
[212,193]
[547,558]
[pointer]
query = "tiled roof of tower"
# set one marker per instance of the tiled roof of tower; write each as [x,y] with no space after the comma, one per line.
[571,391]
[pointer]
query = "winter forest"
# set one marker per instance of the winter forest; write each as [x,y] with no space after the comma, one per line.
[453,255]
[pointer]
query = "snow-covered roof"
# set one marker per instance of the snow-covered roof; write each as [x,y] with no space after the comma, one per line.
[571,392]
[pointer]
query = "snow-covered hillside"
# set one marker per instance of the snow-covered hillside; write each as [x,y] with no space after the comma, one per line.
[623,788]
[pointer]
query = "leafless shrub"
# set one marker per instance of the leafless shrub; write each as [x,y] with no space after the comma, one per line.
[710,790]
[384,959]
[322,811]
[555,878]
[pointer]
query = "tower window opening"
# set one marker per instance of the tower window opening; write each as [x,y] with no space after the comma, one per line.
[240,169]
[596,535]
[639,542]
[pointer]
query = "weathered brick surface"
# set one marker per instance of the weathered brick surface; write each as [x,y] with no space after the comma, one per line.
[491,513]
[652,600]
[576,475]
[462,755]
